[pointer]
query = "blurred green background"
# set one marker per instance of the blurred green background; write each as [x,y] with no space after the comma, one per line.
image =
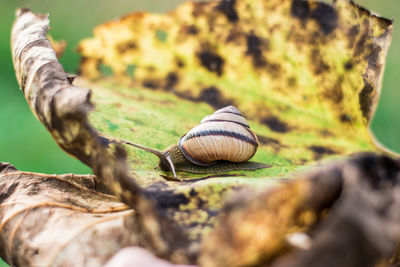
[24,141]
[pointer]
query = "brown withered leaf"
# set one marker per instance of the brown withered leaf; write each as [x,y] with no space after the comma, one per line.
[345,214]
[63,109]
[44,219]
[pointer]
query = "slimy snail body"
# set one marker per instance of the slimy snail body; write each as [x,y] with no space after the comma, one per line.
[221,142]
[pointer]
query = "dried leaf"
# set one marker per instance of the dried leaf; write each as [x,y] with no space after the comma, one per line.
[346,213]
[63,109]
[44,219]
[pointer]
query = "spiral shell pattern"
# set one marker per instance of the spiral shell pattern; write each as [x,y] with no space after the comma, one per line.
[223,135]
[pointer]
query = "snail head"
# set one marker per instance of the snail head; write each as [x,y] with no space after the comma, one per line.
[168,158]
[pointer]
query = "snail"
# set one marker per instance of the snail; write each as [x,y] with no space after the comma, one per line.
[221,142]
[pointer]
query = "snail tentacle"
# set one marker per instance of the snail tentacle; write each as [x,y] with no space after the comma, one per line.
[171,165]
[156,152]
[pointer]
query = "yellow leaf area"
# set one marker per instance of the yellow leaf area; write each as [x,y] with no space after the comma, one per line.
[305,74]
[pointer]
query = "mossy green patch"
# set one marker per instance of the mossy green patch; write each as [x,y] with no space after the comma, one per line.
[161,35]
[111,126]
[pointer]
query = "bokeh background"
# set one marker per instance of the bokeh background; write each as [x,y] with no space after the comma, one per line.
[24,141]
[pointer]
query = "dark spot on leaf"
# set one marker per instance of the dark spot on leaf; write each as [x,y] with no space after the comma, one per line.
[335,93]
[210,95]
[194,224]
[273,68]
[365,99]
[227,7]
[275,124]
[254,49]
[300,9]
[211,61]
[352,35]
[8,192]
[200,203]
[192,29]
[326,17]
[234,36]
[253,45]
[180,63]
[213,96]
[161,35]
[346,118]
[272,143]
[193,193]
[151,84]
[171,80]
[320,151]
[126,46]
[267,140]
[348,65]
[362,43]
[319,65]
[168,199]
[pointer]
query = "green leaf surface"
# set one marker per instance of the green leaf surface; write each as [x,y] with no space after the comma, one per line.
[307,77]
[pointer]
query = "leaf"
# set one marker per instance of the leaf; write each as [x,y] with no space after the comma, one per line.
[46,218]
[63,109]
[342,215]
[52,220]
[308,76]
[172,217]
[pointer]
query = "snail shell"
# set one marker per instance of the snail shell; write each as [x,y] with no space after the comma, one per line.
[224,135]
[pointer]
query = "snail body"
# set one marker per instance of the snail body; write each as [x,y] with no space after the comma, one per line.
[221,142]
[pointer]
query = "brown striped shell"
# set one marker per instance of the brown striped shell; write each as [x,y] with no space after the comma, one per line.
[223,135]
